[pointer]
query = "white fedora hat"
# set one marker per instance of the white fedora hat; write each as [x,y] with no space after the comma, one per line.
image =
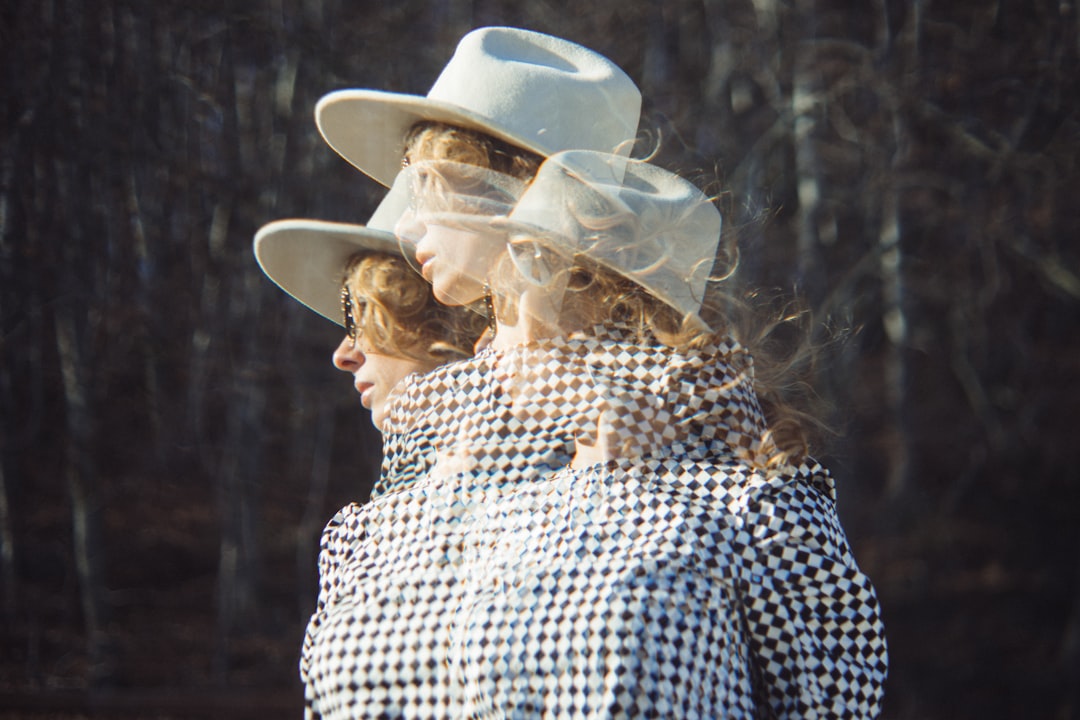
[637,219]
[532,90]
[307,258]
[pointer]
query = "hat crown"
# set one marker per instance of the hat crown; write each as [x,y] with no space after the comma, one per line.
[551,94]
[532,90]
[639,220]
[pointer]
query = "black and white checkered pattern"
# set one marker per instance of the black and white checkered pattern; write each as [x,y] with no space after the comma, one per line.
[488,579]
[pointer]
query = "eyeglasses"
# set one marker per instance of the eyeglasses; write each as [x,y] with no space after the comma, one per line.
[347,310]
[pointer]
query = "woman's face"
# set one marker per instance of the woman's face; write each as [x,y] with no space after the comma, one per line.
[375,374]
[453,254]
[455,261]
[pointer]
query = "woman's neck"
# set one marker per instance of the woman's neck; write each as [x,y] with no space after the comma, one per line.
[538,317]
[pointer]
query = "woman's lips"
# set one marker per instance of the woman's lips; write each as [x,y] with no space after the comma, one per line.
[365,389]
[424,259]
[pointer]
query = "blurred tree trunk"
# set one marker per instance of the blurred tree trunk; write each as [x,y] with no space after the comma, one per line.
[7,283]
[7,549]
[77,324]
[82,481]
[321,435]
[890,243]
[146,281]
[79,308]
[237,473]
[895,322]
[237,559]
[807,102]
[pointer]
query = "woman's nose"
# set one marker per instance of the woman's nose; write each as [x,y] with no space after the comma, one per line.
[348,356]
[410,229]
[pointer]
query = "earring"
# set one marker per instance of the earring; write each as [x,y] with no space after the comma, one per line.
[489,307]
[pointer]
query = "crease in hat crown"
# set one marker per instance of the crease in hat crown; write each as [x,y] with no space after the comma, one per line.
[637,219]
[535,91]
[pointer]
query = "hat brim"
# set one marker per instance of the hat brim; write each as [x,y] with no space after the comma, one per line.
[368,127]
[307,258]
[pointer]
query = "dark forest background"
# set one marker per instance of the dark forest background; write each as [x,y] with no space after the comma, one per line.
[173,436]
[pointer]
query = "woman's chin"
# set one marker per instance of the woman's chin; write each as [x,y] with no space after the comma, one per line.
[378,417]
[455,294]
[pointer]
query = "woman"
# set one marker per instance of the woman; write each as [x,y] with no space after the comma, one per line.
[394,330]
[605,357]
[499,579]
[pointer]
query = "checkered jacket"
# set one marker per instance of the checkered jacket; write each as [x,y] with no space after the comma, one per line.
[488,578]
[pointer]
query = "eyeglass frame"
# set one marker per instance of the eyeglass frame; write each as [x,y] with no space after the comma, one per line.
[352,328]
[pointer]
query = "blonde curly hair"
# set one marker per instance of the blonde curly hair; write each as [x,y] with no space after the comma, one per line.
[396,313]
[440,141]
